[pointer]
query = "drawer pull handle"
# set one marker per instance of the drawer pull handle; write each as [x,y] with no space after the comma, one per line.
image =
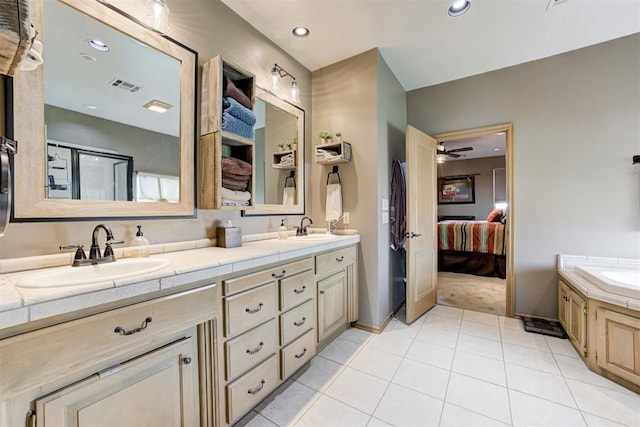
[321,292]
[186,360]
[298,356]
[300,323]
[279,276]
[301,290]
[257,389]
[120,330]
[340,259]
[253,351]
[255,310]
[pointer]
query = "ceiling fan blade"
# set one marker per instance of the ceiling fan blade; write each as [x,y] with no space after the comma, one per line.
[455,156]
[460,149]
[442,152]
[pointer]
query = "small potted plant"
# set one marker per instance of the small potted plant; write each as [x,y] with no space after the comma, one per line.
[338,136]
[293,143]
[326,137]
[282,146]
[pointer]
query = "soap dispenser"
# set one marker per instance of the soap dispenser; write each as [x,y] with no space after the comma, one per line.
[139,245]
[282,231]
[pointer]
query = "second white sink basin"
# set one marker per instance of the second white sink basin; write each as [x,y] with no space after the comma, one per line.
[315,237]
[77,276]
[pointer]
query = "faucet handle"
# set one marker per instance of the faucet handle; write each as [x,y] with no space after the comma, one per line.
[108,250]
[79,251]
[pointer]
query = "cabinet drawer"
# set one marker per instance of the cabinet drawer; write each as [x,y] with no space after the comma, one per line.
[335,260]
[296,322]
[297,354]
[250,308]
[83,344]
[248,390]
[249,349]
[249,281]
[296,289]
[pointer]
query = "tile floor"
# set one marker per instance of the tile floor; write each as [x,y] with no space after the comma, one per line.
[451,367]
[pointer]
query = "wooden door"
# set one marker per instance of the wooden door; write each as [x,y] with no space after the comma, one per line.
[332,304]
[422,249]
[157,389]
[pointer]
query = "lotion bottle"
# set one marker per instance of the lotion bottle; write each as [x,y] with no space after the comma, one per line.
[139,245]
[282,231]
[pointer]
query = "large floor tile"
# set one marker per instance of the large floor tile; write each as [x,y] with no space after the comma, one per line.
[443,310]
[374,422]
[391,343]
[431,354]
[341,351]
[397,327]
[480,367]
[595,421]
[357,389]
[620,407]
[288,403]
[356,335]
[401,406]
[319,373]
[509,323]
[561,347]
[254,419]
[376,362]
[528,410]
[426,379]
[480,330]
[432,334]
[530,358]
[455,416]
[480,346]
[479,396]
[525,339]
[484,318]
[541,384]
[576,370]
[330,413]
[443,323]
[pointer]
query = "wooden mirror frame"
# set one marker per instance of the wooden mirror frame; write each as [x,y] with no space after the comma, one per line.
[26,125]
[298,113]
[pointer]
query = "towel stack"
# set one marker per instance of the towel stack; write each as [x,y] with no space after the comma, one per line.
[236,174]
[322,154]
[237,118]
[287,161]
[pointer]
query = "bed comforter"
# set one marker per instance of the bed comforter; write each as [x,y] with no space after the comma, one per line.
[472,236]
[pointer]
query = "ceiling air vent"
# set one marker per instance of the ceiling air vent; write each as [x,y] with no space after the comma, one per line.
[128,86]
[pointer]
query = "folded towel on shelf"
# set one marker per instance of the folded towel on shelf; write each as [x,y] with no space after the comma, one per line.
[232,91]
[226,202]
[322,154]
[235,185]
[235,125]
[287,160]
[240,196]
[289,196]
[231,165]
[234,108]
[230,175]
[334,202]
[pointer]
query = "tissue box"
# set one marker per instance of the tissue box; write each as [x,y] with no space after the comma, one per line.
[228,237]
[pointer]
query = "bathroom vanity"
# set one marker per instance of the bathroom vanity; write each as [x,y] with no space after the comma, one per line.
[602,317]
[200,342]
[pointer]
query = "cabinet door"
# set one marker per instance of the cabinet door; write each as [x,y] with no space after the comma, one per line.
[332,304]
[618,337]
[563,305]
[159,388]
[577,321]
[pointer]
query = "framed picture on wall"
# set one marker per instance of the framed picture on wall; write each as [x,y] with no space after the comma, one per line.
[454,190]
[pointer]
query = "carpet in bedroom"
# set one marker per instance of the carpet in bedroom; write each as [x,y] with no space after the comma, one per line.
[477,293]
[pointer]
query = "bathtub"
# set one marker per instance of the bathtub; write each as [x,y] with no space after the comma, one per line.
[625,282]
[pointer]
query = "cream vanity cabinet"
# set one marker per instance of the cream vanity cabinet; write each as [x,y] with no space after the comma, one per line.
[269,326]
[143,364]
[572,309]
[337,288]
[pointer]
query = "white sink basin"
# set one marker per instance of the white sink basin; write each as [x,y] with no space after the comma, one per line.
[77,276]
[315,237]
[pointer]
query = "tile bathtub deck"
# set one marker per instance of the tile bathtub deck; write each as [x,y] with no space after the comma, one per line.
[451,367]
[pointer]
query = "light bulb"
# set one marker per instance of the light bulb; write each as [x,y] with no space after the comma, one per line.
[276,80]
[157,16]
[295,91]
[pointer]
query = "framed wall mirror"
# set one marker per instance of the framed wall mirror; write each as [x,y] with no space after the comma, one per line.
[279,157]
[106,126]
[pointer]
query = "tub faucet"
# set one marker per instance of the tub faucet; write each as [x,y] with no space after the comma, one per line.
[302,230]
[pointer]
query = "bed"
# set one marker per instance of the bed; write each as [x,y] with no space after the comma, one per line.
[472,247]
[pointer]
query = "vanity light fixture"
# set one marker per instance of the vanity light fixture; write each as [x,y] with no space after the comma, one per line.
[157,16]
[157,106]
[459,7]
[98,45]
[300,32]
[277,73]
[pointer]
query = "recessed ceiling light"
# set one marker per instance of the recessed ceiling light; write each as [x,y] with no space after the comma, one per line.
[88,57]
[91,107]
[157,106]
[496,149]
[300,32]
[459,7]
[98,45]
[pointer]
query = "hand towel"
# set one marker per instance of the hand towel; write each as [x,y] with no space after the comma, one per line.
[289,196]
[169,188]
[241,196]
[234,108]
[334,202]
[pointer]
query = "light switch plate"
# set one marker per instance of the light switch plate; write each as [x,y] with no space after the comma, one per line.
[385,205]
[385,217]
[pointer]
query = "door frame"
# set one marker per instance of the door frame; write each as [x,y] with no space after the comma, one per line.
[507,128]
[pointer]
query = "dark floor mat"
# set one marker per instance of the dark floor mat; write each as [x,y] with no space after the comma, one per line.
[543,326]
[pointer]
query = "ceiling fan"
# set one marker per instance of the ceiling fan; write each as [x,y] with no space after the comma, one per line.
[443,152]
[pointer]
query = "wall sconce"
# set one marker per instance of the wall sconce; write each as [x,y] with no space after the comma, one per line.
[157,16]
[277,73]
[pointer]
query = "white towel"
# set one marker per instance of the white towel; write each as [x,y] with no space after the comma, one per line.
[289,196]
[169,188]
[334,202]
[239,196]
[148,188]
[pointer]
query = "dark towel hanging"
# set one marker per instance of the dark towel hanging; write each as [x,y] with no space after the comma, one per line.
[397,206]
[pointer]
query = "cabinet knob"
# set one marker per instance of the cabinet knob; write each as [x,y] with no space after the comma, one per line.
[186,360]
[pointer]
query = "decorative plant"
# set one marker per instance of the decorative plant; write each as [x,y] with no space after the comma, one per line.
[338,134]
[281,146]
[292,143]
[324,135]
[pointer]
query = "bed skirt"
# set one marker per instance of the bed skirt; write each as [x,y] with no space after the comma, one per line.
[477,263]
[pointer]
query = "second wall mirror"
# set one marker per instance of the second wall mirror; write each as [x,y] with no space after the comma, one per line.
[279,157]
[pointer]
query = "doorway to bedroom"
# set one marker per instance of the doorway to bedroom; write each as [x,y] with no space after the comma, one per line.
[475,219]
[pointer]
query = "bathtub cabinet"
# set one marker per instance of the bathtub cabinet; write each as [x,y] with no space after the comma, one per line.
[572,309]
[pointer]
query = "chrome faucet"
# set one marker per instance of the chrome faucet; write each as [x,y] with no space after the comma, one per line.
[95,257]
[302,230]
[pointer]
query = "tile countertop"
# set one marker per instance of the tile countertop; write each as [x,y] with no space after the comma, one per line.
[566,269]
[22,305]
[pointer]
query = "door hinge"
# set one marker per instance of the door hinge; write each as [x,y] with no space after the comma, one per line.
[31,419]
